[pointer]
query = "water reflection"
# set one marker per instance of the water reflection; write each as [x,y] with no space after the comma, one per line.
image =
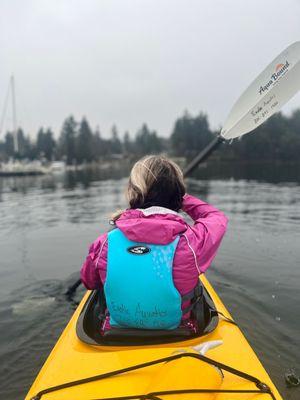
[69,180]
[87,176]
[259,171]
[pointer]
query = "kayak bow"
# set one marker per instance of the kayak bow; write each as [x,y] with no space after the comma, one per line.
[76,370]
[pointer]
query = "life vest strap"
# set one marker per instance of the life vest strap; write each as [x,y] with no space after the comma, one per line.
[194,296]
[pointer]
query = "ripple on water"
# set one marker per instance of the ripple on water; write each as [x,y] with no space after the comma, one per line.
[32,305]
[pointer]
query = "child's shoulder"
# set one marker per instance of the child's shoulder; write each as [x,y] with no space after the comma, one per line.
[98,245]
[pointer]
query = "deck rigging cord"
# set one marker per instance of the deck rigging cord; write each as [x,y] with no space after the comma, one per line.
[261,387]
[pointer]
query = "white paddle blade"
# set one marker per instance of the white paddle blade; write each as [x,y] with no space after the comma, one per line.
[276,85]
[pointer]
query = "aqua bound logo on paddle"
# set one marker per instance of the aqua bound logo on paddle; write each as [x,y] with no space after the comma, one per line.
[139,250]
[280,70]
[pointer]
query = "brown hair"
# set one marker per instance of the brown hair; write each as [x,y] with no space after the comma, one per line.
[155,181]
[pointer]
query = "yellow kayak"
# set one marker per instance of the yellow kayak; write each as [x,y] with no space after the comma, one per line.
[219,365]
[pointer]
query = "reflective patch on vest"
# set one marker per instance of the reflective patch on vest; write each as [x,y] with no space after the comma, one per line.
[139,250]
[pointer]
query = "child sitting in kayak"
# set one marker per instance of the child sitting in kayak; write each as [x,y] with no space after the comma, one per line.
[150,264]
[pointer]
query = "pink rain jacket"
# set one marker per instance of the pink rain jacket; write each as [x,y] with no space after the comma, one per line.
[196,248]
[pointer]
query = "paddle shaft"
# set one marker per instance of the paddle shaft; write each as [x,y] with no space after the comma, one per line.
[203,155]
[72,289]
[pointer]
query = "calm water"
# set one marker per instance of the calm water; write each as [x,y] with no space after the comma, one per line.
[48,222]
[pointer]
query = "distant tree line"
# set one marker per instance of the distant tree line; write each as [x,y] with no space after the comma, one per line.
[276,139]
[78,144]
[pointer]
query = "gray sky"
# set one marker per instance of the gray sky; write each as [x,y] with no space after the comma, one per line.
[134,61]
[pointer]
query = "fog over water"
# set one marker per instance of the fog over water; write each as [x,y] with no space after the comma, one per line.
[129,62]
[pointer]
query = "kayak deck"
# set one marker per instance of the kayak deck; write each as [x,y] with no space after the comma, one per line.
[72,360]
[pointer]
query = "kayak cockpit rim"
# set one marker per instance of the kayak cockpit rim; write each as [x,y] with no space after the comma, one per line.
[94,312]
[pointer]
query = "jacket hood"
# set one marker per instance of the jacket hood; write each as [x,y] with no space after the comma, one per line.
[156,225]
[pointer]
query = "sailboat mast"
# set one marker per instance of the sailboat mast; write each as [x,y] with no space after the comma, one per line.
[15,129]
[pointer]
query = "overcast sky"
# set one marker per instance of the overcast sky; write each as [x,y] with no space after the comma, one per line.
[129,62]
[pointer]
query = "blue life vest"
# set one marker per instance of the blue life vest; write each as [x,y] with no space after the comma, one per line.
[139,287]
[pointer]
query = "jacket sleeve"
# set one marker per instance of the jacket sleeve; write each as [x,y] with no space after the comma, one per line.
[90,274]
[207,232]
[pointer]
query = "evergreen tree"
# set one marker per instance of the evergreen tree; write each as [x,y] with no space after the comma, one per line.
[3,155]
[84,143]
[190,135]
[9,145]
[115,143]
[67,140]
[127,144]
[98,145]
[45,144]
[147,142]
[24,145]
[292,140]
